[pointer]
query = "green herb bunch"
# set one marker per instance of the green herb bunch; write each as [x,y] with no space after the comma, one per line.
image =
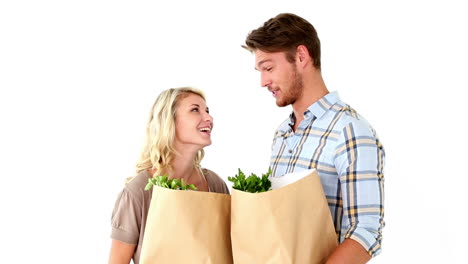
[164,181]
[252,184]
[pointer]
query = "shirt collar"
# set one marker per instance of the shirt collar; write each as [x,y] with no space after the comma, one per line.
[319,108]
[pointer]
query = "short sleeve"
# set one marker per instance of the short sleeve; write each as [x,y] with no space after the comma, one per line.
[126,218]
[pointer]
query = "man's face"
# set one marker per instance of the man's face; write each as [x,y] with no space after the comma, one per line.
[280,76]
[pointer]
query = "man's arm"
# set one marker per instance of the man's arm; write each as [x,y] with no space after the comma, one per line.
[359,161]
[349,251]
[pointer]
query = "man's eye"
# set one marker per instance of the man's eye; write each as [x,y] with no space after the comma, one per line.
[269,69]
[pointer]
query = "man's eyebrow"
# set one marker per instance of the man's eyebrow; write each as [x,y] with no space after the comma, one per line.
[261,62]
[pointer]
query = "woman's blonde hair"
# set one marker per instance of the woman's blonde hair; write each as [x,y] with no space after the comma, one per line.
[158,151]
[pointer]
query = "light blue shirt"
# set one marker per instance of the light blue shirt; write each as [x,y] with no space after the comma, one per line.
[349,159]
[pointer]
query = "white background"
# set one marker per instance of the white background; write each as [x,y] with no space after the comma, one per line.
[77,80]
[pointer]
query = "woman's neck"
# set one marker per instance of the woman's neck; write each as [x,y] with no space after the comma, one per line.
[183,167]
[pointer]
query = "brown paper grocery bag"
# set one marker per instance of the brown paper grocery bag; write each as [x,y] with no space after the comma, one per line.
[187,227]
[292,224]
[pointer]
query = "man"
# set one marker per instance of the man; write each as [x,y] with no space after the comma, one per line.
[323,133]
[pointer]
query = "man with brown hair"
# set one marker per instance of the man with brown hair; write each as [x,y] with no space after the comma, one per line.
[324,133]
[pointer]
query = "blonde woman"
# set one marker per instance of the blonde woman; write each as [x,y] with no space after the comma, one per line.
[178,129]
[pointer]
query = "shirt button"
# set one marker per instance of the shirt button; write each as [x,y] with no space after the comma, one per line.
[290,151]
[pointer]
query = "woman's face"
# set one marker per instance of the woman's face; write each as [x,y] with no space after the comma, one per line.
[193,122]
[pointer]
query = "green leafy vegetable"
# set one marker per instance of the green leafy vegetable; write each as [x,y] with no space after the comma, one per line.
[252,184]
[164,181]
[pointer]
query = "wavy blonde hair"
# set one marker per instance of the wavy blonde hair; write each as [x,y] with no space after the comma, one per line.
[158,150]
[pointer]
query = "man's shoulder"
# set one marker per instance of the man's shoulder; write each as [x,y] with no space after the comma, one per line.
[284,126]
[350,118]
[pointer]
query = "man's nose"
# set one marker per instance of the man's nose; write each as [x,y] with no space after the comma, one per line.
[264,80]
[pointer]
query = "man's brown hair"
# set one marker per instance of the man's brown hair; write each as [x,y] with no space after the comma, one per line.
[285,32]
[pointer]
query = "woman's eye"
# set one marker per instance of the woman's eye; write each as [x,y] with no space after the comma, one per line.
[195,110]
[269,69]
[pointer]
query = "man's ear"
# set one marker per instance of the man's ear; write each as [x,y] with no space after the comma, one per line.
[302,56]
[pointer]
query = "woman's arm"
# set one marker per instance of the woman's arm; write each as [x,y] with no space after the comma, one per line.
[121,253]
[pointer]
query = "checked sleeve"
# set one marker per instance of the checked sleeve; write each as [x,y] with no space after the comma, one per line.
[359,160]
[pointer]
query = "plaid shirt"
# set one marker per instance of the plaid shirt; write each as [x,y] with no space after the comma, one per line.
[349,159]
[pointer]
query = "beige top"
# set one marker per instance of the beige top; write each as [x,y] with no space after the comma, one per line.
[132,205]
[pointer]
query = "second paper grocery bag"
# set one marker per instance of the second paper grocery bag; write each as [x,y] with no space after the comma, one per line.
[292,224]
[187,227]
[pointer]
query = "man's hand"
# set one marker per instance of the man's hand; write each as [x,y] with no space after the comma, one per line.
[349,252]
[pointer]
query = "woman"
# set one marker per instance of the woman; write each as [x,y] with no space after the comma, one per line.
[178,129]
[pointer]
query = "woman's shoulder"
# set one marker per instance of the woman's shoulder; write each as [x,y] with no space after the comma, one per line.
[137,183]
[215,182]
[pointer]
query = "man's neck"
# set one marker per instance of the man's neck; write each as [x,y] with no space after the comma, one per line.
[314,89]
